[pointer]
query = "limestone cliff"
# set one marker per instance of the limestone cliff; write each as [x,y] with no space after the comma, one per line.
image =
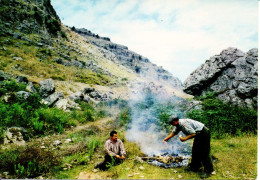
[232,75]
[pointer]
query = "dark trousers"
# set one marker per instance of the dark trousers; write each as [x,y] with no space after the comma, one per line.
[108,162]
[201,151]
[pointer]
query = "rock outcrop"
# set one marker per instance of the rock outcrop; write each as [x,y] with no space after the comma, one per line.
[14,135]
[232,75]
[131,60]
[28,16]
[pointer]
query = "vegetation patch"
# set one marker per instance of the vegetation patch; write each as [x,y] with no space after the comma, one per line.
[223,118]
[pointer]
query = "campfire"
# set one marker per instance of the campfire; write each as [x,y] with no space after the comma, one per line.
[167,160]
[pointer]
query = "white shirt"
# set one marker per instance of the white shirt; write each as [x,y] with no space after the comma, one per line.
[187,126]
[116,148]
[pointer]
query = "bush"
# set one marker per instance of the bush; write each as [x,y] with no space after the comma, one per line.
[11,86]
[124,117]
[222,118]
[87,113]
[27,162]
[29,113]
[93,144]
[53,119]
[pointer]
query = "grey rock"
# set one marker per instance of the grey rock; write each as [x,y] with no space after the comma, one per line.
[88,90]
[4,76]
[14,135]
[51,99]
[23,94]
[22,79]
[17,58]
[62,104]
[232,75]
[95,94]
[57,143]
[31,88]
[77,96]
[86,98]
[47,87]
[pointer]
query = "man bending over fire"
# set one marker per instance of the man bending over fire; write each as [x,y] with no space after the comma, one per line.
[115,152]
[201,144]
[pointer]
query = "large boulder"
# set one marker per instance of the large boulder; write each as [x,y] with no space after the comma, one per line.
[232,75]
[53,98]
[31,88]
[47,87]
[23,94]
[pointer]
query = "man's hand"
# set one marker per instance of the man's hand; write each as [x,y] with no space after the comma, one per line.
[164,141]
[117,156]
[120,157]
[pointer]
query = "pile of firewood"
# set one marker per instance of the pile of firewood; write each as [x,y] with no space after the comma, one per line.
[165,159]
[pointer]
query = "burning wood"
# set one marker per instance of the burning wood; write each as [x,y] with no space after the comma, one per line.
[165,159]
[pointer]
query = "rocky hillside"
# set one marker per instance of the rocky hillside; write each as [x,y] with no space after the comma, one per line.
[35,44]
[136,62]
[232,75]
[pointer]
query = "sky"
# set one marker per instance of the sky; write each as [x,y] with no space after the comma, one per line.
[178,35]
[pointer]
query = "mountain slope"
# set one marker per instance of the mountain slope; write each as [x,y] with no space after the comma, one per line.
[34,43]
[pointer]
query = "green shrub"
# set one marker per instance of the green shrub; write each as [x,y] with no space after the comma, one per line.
[222,117]
[29,113]
[87,113]
[124,117]
[27,162]
[92,145]
[11,86]
[54,119]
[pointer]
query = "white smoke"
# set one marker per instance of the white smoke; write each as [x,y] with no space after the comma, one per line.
[145,99]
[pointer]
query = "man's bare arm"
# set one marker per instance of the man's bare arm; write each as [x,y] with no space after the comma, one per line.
[168,137]
[187,137]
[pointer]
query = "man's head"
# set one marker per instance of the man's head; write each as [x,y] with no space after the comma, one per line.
[113,136]
[173,120]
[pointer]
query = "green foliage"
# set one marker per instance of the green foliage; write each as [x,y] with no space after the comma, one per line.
[124,117]
[85,114]
[53,25]
[93,144]
[29,113]
[11,86]
[27,162]
[53,119]
[30,171]
[102,113]
[222,118]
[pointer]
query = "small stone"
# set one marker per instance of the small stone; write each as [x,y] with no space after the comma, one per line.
[141,168]
[130,175]
[42,147]
[57,142]
[65,169]
[180,176]
[213,173]
[68,141]
[95,170]
[175,171]
[141,176]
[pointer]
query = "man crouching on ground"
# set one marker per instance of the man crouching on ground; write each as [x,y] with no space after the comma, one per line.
[115,152]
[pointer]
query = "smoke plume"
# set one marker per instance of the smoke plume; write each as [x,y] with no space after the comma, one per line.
[151,105]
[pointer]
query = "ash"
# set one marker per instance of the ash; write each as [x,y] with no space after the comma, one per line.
[182,162]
